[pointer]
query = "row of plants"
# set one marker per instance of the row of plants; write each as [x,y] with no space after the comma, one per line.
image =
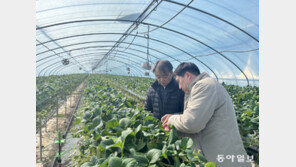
[246,104]
[116,132]
[138,85]
[50,90]
[245,101]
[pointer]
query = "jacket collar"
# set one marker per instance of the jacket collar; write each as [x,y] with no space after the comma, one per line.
[199,77]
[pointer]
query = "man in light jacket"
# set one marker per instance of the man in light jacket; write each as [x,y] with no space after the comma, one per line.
[208,118]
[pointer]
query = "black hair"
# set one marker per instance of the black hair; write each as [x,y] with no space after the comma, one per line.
[186,67]
[163,66]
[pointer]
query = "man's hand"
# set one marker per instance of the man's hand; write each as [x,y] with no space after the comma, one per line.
[164,121]
[165,118]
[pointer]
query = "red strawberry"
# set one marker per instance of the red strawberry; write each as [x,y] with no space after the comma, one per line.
[166,128]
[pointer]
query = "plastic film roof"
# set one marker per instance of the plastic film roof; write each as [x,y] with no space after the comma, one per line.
[110,36]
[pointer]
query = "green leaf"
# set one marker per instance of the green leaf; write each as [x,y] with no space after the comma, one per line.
[106,143]
[117,144]
[146,134]
[129,162]
[189,143]
[97,129]
[104,164]
[176,162]
[87,116]
[101,160]
[255,120]
[97,122]
[87,164]
[173,135]
[182,154]
[186,142]
[182,165]
[153,165]
[153,155]
[125,133]
[128,104]
[132,151]
[138,129]
[77,121]
[163,152]
[178,144]
[141,159]
[171,147]
[97,112]
[151,126]
[111,124]
[210,164]
[114,162]
[140,145]
[124,123]
[149,118]
[249,113]
[152,145]
[94,160]
[201,157]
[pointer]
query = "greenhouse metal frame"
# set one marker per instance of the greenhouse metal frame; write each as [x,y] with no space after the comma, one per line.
[220,37]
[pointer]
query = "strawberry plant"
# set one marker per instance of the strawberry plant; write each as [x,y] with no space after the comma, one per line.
[116,132]
[246,105]
[50,89]
[245,102]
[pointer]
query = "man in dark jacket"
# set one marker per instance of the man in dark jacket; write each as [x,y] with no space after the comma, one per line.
[164,95]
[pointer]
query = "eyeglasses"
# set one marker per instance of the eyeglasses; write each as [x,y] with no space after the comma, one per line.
[163,77]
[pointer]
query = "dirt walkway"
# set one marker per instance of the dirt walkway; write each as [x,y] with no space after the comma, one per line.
[49,132]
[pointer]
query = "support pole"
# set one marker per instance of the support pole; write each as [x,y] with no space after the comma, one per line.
[45,124]
[57,112]
[59,155]
[40,140]
[66,110]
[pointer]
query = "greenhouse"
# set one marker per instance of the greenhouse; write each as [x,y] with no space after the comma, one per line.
[95,63]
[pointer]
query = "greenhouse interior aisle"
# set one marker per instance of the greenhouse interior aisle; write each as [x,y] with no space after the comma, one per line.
[49,129]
